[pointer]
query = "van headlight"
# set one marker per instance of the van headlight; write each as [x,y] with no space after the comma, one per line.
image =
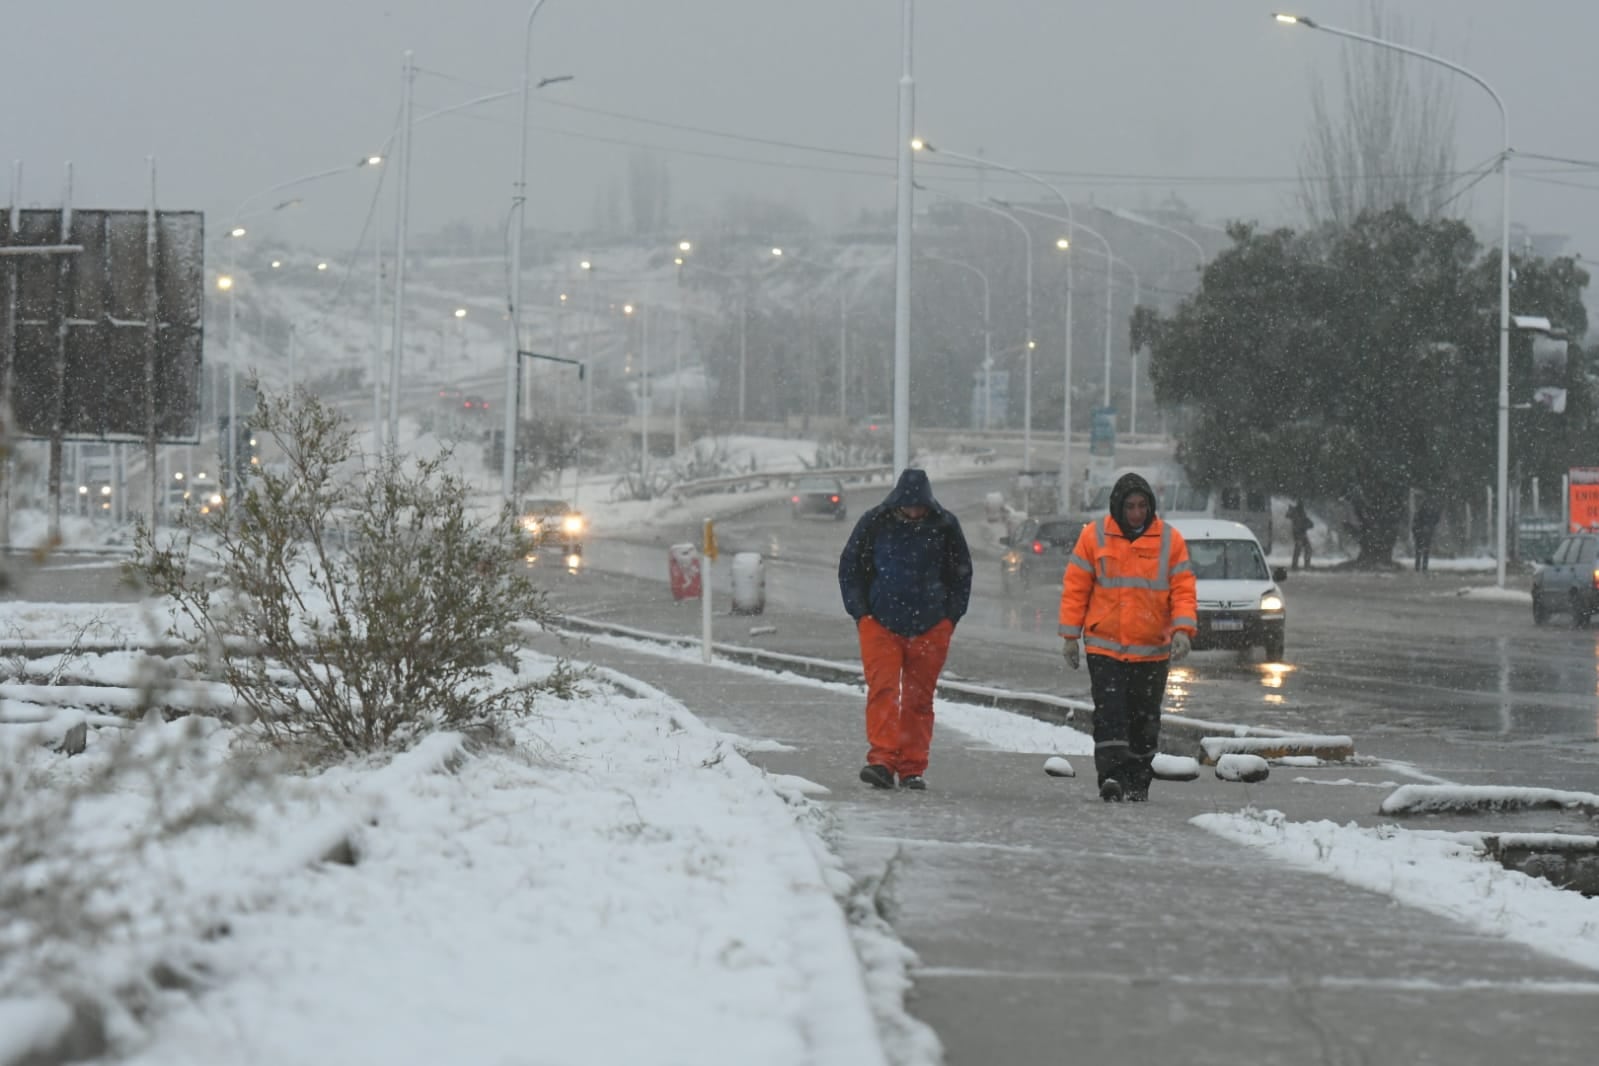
[1271,603]
[572,524]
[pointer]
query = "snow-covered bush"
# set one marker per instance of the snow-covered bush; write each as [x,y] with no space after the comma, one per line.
[356,606]
[89,875]
[852,451]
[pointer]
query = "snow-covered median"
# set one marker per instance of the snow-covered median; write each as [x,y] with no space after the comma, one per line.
[621,885]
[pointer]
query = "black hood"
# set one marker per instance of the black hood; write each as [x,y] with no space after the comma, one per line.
[913,490]
[1126,485]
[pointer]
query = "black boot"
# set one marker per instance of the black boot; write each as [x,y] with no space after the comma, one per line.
[877,776]
[1110,790]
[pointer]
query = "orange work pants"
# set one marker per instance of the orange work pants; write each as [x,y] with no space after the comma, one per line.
[901,673]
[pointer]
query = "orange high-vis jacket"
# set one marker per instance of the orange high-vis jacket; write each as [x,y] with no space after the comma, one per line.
[1125,598]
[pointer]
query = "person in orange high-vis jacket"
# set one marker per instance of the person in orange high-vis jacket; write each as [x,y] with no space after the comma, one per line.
[1128,595]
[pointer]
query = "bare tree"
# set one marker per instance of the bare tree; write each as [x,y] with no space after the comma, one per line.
[1391,143]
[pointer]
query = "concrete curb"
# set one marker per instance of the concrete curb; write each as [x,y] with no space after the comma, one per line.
[1180,734]
[1329,748]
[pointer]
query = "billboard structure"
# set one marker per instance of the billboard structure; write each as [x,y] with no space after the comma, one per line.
[101,323]
[101,327]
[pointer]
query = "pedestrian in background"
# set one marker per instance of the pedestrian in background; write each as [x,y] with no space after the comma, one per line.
[1299,519]
[906,577]
[1422,526]
[1129,596]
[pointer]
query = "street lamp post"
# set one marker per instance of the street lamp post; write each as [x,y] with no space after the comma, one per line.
[1140,220]
[237,232]
[1504,254]
[745,281]
[843,327]
[1066,425]
[1028,344]
[587,267]
[643,390]
[904,200]
[1199,266]
[988,334]
[518,208]
[1110,261]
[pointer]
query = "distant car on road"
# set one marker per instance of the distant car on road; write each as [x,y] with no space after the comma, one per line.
[554,528]
[1037,552]
[818,496]
[1568,581]
[1240,605]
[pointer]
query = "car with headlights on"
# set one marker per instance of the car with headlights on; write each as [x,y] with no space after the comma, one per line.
[1240,603]
[553,529]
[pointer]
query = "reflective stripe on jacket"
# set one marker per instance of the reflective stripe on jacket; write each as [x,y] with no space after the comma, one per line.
[1125,598]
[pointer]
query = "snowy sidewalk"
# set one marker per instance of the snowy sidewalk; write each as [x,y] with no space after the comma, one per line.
[1048,924]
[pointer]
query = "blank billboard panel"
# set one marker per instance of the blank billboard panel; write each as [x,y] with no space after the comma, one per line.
[105,340]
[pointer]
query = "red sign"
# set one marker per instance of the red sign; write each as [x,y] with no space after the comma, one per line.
[1582,499]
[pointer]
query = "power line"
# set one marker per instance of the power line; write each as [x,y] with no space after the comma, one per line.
[959,170]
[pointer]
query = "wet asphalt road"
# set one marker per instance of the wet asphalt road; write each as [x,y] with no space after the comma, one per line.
[1405,662]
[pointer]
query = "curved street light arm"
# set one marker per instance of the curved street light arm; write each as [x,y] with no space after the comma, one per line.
[305,179]
[1503,473]
[1140,220]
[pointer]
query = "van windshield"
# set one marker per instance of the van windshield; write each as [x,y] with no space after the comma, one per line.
[1227,560]
[1188,498]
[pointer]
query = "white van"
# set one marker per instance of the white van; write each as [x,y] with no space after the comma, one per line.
[1175,498]
[1240,605]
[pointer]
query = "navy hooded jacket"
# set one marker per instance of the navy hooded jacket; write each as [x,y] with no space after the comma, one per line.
[909,575]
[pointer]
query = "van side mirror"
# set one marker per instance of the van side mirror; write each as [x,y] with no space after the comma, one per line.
[1005,540]
[1279,573]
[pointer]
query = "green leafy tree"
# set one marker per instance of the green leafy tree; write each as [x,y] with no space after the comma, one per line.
[1350,364]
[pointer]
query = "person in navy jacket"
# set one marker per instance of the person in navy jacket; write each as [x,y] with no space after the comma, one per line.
[906,577]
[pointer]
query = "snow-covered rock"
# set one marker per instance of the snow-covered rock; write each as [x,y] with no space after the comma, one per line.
[1055,766]
[1245,768]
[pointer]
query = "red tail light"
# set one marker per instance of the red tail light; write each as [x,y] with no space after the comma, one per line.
[832,499]
[1038,547]
[796,499]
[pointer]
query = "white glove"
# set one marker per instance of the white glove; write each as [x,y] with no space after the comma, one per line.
[1074,658]
[1180,646]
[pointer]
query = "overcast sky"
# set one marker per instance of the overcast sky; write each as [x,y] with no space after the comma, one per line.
[1206,100]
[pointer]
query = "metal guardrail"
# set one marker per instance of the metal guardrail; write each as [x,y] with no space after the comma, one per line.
[763,479]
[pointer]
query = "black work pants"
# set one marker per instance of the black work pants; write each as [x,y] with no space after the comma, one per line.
[1126,718]
[1301,544]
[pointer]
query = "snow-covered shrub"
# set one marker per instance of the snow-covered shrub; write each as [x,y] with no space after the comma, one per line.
[354,607]
[705,459]
[854,450]
[89,873]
